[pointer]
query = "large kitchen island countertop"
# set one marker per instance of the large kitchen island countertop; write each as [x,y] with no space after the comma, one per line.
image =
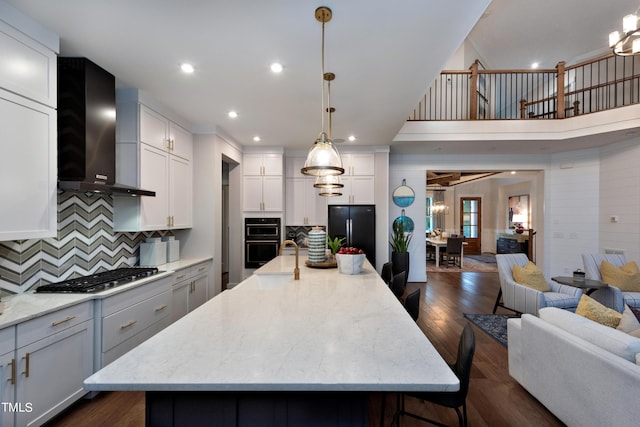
[325,332]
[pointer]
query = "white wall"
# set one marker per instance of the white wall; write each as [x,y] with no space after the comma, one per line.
[205,239]
[620,196]
[571,210]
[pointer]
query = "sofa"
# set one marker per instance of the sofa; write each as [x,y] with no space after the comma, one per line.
[585,373]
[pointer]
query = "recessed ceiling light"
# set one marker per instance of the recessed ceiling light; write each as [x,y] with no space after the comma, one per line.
[277,67]
[513,172]
[187,68]
[535,65]
[352,138]
[233,114]
[256,138]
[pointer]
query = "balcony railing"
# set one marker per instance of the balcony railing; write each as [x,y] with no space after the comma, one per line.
[599,84]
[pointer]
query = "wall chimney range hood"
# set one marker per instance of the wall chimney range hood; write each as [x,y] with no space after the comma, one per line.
[87,130]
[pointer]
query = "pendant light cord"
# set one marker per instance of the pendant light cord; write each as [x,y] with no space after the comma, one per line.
[322,77]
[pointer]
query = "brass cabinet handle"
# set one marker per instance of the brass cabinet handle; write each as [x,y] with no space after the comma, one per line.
[60,322]
[12,380]
[182,276]
[160,307]
[126,325]
[26,366]
[202,269]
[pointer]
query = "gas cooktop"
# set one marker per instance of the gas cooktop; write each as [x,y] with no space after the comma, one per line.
[99,281]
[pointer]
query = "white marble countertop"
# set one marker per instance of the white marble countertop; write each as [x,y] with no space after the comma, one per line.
[325,332]
[29,305]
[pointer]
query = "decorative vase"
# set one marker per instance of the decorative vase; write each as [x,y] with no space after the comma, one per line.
[317,244]
[400,262]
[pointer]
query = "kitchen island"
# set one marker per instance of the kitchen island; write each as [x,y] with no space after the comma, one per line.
[278,351]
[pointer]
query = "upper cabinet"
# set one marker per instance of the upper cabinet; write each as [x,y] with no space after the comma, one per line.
[262,182]
[303,204]
[358,180]
[28,124]
[358,164]
[153,153]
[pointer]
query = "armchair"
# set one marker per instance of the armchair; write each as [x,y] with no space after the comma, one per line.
[523,299]
[609,296]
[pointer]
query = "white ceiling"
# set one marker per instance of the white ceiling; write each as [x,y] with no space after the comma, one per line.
[383,54]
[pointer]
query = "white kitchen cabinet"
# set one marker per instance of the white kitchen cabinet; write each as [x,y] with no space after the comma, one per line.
[157,158]
[128,318]
[303,204]
[7,372]
[357,190]
[190,289]
[358,164]
[263,184]
[262,164]
[28,68]
[262,193]
[53,356]
[28,123]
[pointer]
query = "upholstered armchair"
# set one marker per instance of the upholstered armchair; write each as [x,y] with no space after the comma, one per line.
[523,299]
[609,296]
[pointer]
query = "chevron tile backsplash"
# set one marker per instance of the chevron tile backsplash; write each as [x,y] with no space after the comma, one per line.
[86,244]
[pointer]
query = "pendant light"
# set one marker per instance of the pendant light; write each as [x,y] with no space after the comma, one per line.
[323,158]
[329,184]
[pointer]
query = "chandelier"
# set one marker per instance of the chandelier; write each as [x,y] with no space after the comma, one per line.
[323,158]
[439,208]
[626,43]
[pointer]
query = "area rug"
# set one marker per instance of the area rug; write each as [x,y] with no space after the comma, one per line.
[494,325]
[469,266]
[488,258]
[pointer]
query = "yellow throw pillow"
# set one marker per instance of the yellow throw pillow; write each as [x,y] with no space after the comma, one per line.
[626,278]
[531,276]
[593,310]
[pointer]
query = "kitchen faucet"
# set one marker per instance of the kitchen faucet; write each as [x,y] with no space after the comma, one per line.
[296,271]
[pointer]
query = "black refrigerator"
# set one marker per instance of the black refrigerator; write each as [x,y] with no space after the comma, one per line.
[358,224]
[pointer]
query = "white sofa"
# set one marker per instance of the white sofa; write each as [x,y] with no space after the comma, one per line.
[585,373]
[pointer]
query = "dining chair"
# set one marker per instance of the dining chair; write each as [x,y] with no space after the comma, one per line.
[450,399]
[454,251]
[431,252]
[412,304]
[398,284]
[387,272]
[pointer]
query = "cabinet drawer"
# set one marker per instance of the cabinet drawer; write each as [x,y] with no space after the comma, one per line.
[7,339]
[200,269]
[43,326]
[120,301]
[181,275]
[126,323]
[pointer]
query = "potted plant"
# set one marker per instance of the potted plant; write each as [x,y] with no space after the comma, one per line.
[400,248]
[334,244]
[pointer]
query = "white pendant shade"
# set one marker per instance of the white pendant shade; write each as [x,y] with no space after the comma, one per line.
[323,159]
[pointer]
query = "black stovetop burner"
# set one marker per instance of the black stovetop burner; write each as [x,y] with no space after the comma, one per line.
[99,281]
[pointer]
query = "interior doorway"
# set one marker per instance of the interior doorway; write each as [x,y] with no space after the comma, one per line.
[471,224]
[224,262]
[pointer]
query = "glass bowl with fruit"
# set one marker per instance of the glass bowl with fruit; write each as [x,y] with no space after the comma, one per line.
[350,260]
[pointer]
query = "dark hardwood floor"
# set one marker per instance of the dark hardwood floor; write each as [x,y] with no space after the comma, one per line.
[494,399]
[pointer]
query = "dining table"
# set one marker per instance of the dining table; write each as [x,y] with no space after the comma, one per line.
[442,243]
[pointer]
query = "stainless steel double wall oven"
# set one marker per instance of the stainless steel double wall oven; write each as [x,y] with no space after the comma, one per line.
[262,238]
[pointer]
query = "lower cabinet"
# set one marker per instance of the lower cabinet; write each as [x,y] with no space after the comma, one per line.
[128,318]
[190,289]
[45,373]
